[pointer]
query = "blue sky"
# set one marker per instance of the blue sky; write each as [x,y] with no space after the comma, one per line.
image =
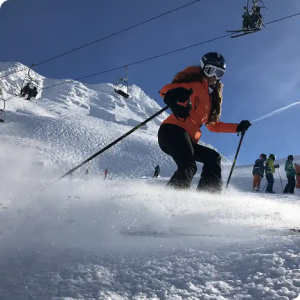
[262,69]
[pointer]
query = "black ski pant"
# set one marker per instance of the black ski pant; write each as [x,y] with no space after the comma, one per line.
[270,179]
[176,142]
[156,173]
[289,188]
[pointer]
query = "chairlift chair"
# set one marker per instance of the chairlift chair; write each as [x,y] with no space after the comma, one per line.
[121,84]
[248,16]
[28,79]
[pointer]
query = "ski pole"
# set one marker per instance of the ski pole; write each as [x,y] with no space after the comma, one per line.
[265,186]
[236,155]
[280,179]
[114,142]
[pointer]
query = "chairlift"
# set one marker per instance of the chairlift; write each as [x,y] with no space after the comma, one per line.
[253,18]
[121,84]
[28,82]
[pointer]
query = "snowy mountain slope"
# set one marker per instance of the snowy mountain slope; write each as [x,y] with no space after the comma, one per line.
[72,121]
[75,239]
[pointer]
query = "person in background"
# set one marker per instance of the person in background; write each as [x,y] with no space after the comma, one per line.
[290,174]
[156,171]
[258,172]
[105,173]
[270,170]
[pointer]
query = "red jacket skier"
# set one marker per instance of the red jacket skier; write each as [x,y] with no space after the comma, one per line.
[105,173]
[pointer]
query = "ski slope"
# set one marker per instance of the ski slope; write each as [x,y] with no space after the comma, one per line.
[128,237]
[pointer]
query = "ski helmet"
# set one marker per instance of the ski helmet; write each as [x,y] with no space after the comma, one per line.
[213,59]
[263,156]
[272,156]
[290,157]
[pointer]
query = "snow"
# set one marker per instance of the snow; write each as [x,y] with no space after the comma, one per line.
[128,237]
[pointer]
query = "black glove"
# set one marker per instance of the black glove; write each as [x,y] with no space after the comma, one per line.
[243,126]
[179,95]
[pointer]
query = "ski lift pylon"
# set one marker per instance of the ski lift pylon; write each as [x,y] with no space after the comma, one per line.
[253,19]
[122,83]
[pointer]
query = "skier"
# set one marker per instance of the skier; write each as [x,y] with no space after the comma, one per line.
[297,169]
[30,90]
[258,172]
[32,93]
[195,98]
[270,170]
[156,171]
[290,174]
[252,21]
[25,90]
[105,173]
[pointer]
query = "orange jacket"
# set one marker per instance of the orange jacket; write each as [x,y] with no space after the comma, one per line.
[200,111]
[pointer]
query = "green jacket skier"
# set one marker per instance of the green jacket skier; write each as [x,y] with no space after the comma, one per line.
[290,174]
[270,170]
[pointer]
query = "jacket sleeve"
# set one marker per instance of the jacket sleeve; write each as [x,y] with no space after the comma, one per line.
[262,168]
[222,127]
[174,86]
[270,165]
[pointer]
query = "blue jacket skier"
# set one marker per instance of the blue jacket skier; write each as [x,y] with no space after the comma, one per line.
[258,172]
[156,171]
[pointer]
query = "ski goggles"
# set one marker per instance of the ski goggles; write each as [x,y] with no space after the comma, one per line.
[211,71]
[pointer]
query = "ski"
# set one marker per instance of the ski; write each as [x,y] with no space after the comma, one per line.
[245,33]
[233,31]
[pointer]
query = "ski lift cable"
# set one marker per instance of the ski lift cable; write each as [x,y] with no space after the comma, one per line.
[154,57]
[161,55]
[118,32]
[284,18]
[140,61]
[109,36]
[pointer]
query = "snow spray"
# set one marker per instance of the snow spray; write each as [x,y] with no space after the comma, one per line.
[277,111]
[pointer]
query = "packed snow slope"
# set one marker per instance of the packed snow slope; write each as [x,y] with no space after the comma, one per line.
[128,238]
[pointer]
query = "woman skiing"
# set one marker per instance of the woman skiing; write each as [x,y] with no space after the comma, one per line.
[195,99]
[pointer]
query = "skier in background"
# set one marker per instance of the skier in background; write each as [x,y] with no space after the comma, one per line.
[25,90]
[253,20]
[105,173]
[270,170]
[195,99]
[30,90]
[32,93]
[156,171]
[258,172]
[290,174]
